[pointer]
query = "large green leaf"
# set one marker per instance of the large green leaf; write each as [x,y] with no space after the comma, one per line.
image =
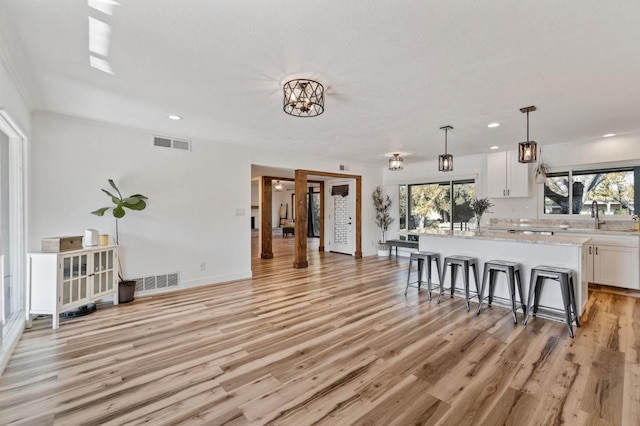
[140,205]
[115,199]
[113,185]
[118,212]
[100,212]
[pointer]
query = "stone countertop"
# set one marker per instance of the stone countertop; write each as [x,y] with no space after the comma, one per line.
[563,240]
[564,230]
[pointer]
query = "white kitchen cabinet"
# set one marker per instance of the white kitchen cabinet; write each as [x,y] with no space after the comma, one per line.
[59,282]
[616,266]
[613,261]
[506,177]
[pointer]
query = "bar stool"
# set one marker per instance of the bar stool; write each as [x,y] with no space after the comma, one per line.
[563,276]
[422,257]
[512,271]
[464,263]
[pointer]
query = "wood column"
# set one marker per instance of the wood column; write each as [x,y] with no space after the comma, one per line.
[266,215]
[300,253]
[321,246]
[358,251]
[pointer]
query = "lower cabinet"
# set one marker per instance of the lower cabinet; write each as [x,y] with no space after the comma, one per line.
[614,265]
[60,282]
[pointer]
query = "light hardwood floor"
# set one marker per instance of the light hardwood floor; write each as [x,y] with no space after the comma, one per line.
[337,343]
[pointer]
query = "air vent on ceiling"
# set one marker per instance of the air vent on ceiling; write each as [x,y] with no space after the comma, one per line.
[179,144]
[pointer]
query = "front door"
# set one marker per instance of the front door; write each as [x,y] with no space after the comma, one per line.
[343,218]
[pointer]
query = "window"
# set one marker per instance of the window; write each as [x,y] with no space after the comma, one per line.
[611,189]
[438,205]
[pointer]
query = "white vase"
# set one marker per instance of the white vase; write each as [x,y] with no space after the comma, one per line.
[384,252]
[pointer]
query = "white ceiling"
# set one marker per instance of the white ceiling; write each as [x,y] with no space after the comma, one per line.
[395,71]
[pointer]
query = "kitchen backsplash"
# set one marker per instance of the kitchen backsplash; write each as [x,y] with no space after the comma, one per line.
[559,224]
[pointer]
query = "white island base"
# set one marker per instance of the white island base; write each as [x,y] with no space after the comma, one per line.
[528,250]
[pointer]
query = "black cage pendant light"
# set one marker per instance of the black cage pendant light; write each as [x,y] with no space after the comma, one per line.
[527,151]
[445,163]
[303,98]
[396,163]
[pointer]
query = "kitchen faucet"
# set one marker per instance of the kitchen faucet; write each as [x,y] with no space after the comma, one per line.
[595,214]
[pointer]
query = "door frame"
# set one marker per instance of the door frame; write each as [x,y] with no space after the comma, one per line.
[301,178]
[332,222]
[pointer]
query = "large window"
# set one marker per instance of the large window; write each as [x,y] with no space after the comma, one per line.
[438,205]
[575,192]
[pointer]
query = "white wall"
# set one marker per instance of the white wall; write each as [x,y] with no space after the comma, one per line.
[280,198]
[191,218]
[12,101]
[193,197]
[609,152]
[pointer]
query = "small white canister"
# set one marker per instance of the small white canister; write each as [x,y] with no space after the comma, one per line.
[90,238]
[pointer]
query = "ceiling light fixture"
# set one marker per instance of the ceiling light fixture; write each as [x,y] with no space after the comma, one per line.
[527,151]
[278,186]
[396,163]
[174,117]
[492,125]
[608,135]
[494,147]
[445,163]
[303,98]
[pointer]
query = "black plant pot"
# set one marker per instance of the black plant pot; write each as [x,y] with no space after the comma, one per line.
[126,289]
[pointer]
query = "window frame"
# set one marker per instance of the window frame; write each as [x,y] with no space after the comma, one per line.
[583,169]
[449,182]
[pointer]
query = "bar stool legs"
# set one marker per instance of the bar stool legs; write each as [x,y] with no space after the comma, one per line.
[464,263]
[423,257]
[565,278]
[512,271]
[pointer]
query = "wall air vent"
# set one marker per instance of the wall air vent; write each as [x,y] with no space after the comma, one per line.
[157,282]
[178,144]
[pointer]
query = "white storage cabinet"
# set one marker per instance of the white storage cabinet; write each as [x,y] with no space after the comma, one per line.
[612,260]
[615,262]
[60,282]
[506,177]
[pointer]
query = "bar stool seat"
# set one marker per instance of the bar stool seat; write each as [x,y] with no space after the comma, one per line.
[464,263]
[422,257]
[563,276]
[512,271]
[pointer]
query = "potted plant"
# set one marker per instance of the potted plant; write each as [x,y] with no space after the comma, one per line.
[383,219]
[126,288]
[542,169]
[480,206]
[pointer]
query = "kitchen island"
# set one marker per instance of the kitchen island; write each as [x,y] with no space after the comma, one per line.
[528,250]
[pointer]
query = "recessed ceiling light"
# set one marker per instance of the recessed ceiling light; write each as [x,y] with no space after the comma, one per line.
[174,117]
[492,125]
[494,147]
[608,135]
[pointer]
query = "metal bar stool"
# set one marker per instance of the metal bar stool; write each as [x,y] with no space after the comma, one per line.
[563,276]
[423,257]
[464,263]
[512,271]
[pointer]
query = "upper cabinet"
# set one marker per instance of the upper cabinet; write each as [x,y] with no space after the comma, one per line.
[506,177]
